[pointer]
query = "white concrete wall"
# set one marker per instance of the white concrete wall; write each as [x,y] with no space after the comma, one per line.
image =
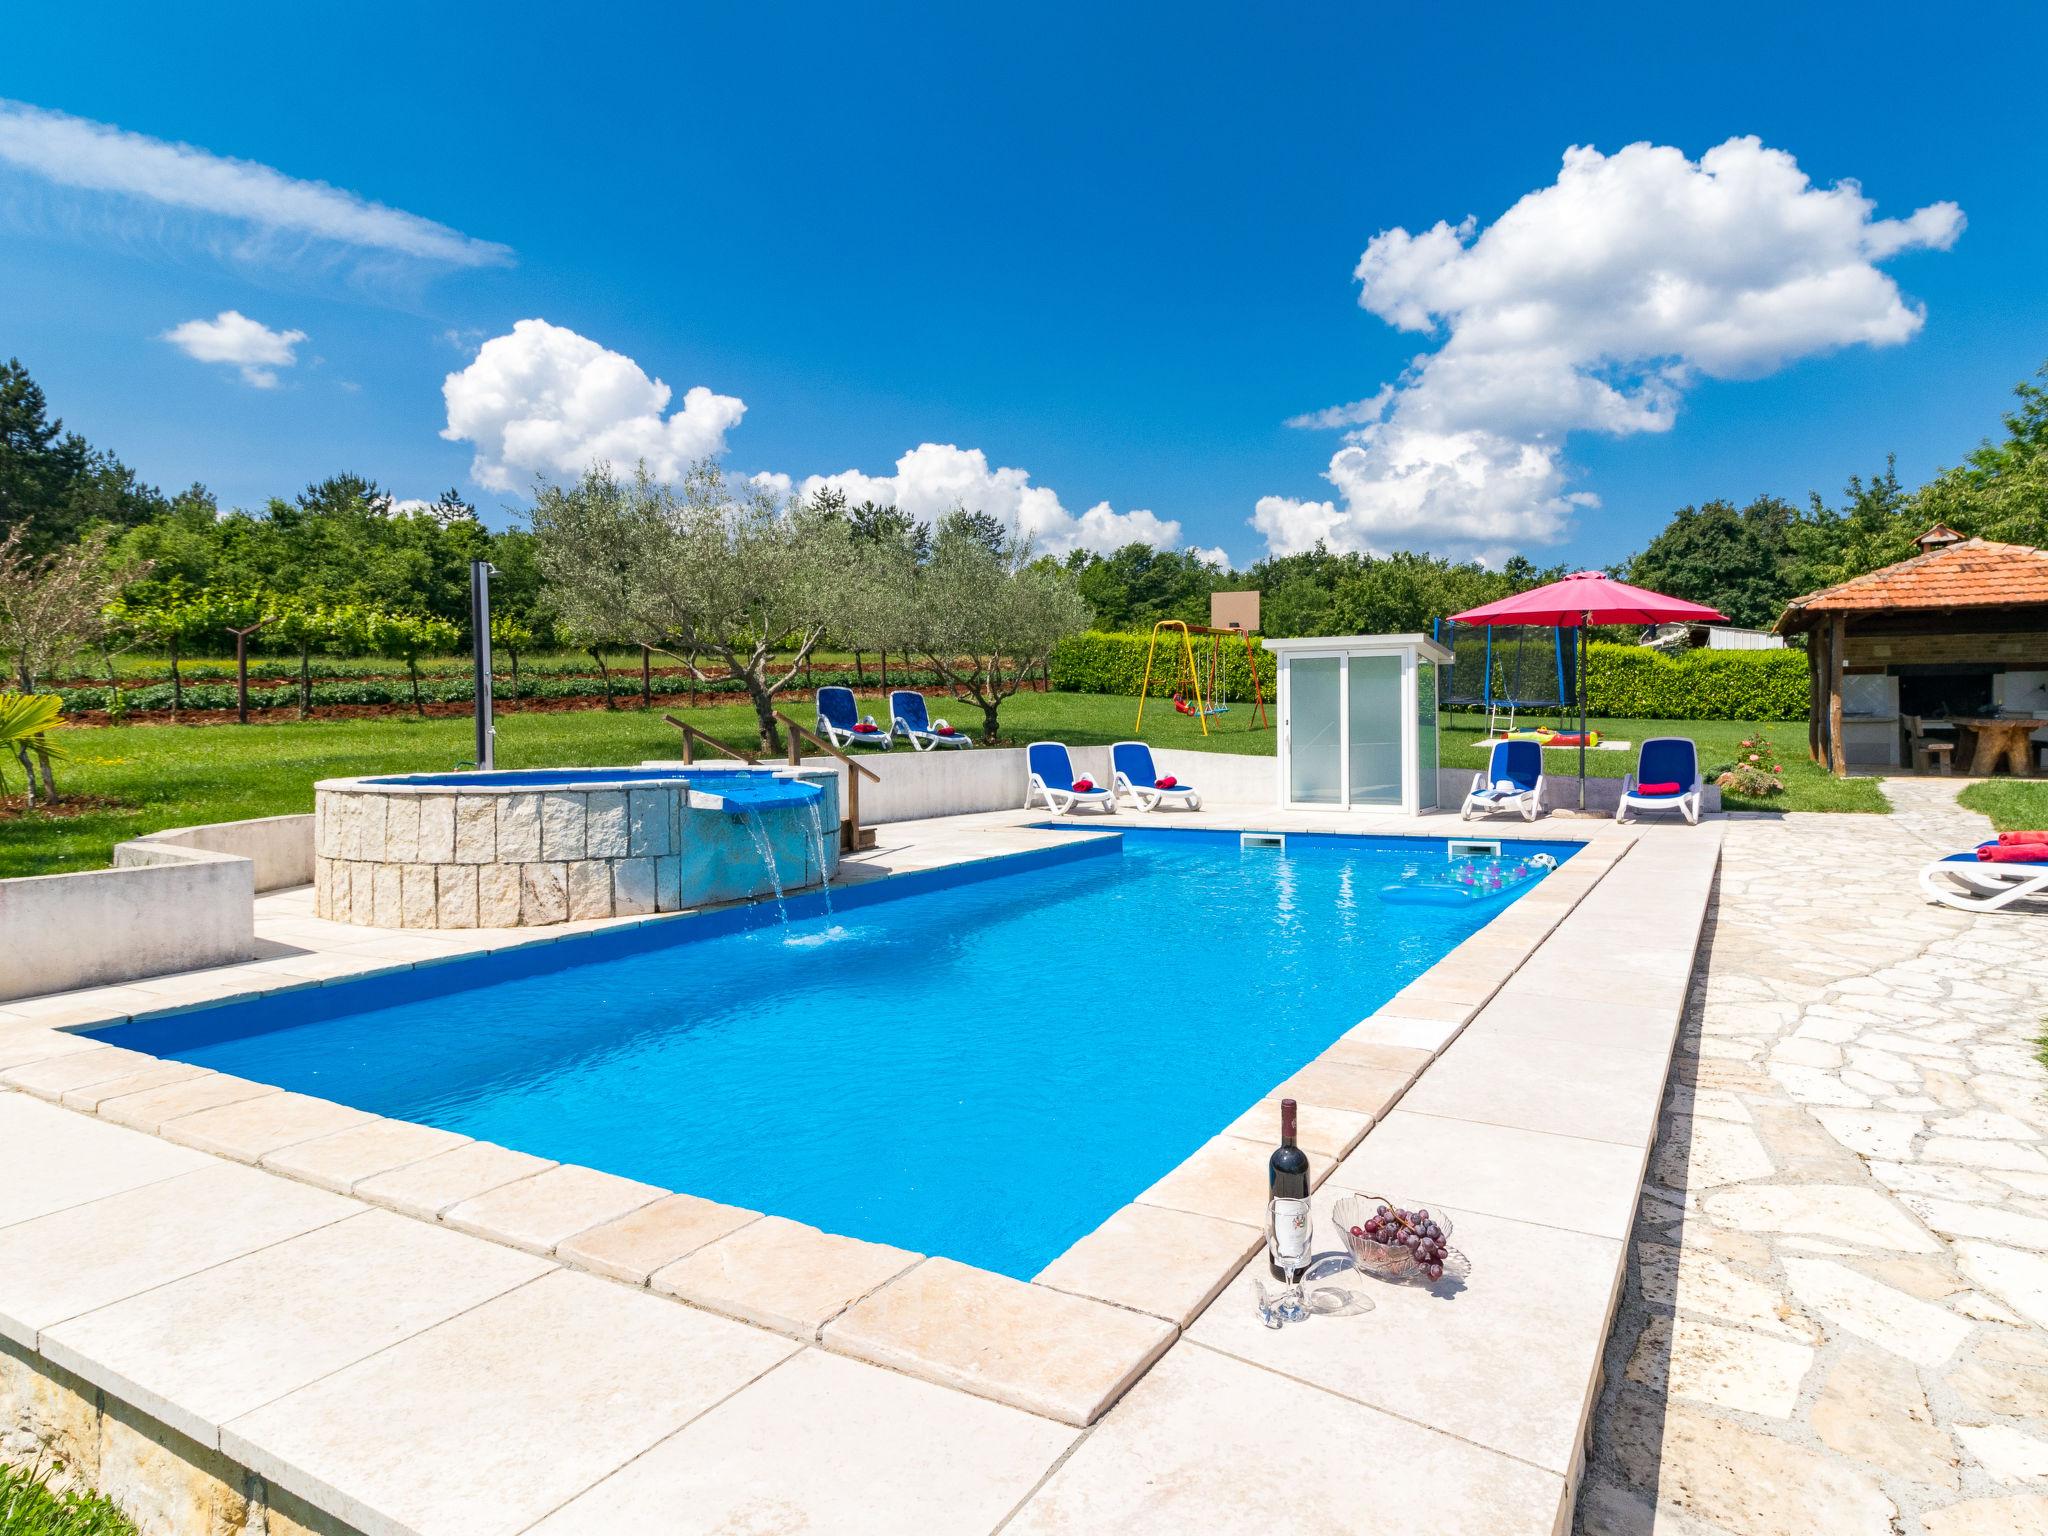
[1560,791]
[185,908]
[2023,692]
[960,781]
[281,847]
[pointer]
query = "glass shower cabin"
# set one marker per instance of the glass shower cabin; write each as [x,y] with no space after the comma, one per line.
[1358,722]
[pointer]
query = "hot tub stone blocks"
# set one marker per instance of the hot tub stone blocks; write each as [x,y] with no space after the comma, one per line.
[416,856]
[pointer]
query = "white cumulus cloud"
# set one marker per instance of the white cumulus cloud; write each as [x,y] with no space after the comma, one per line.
[98,157]
[542,400]
[934,478]
[1591,305]
[232,337]
[1214,557]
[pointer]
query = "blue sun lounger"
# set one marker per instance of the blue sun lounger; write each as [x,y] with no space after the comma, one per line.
[1052,779]
[1969,884]
[1132,773]
[839,719]
[1513,781]
[907,715]
[1664,760]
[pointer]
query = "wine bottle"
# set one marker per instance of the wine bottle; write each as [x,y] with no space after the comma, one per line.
[1287,1239]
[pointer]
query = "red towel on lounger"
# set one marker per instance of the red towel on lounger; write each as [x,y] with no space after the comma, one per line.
[2013,853]
[1658,789]
[1082,786]
[1166,783]
[2008,839]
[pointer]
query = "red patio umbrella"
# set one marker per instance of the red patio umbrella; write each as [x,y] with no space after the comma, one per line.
[1581,599]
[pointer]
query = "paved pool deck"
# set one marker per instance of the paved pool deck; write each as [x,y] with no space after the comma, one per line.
[241,1309]
[1836,1317]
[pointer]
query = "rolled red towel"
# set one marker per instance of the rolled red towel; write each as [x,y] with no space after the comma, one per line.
[1082,786]
[2008,839]
[1658,789]
[2013,853]
[1165,782]
[946,730]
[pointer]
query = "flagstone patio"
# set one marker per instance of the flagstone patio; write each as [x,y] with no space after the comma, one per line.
[1836,1316]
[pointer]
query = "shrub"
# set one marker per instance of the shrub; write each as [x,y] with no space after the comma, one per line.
[1755,774]
[1624,681]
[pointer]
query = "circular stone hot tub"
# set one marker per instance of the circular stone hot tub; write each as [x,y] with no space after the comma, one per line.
[525,848]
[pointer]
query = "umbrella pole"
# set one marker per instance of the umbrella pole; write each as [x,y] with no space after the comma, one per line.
[1584,619]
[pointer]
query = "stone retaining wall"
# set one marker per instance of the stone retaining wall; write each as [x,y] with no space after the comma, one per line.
[414,856]
[165,1481]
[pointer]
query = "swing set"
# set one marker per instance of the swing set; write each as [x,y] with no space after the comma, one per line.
[1188,698]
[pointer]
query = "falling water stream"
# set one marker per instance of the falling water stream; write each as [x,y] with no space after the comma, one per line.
[759,833]
[818,842]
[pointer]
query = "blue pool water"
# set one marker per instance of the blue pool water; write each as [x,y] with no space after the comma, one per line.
[980,1065]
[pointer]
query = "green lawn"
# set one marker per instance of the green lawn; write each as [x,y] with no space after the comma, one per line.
[1808,786]
[176,775]
[29,1508]
[2014,805]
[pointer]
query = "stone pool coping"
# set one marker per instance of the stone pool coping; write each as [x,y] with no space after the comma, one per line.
[1069,1344]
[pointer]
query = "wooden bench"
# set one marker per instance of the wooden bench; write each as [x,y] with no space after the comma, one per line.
[1929,752]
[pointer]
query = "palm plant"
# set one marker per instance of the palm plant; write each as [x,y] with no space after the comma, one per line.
[25,721]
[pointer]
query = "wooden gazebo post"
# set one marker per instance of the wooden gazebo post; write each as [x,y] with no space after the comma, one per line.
[1838,759]
[1816,726]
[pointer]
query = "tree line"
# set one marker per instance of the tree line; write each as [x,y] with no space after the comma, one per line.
[343,568]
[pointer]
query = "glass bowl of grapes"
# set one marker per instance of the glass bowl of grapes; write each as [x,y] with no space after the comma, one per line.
[1393,1242]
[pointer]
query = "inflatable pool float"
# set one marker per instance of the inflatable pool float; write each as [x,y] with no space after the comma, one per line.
[1470,882]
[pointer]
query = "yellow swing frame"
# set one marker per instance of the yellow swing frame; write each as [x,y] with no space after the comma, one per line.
[1187,651]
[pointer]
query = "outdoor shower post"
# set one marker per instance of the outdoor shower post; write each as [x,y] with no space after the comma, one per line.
[480,651]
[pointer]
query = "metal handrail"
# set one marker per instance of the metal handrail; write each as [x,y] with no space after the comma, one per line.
[851,836]
[691,733]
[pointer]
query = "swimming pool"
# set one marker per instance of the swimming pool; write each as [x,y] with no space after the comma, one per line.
[981,1062]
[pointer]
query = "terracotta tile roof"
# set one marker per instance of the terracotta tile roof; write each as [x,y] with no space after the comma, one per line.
[1972,574]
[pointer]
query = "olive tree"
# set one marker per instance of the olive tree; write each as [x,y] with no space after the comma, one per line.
[979,609]
[703,567]
[51,607]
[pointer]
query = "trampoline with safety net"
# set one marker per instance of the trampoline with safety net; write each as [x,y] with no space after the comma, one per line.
[1506,669]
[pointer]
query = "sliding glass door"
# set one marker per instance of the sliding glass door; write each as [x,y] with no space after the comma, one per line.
[1352,739]
[1373,718]
[1315,733]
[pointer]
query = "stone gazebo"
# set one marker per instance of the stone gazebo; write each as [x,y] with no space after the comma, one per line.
[1949,647]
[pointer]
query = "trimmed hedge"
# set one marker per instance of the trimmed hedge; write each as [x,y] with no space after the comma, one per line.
[1624,681]
[1635,682]
[1109,663]
[459,690]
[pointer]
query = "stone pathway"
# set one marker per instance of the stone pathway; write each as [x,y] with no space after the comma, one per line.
[1836,1311]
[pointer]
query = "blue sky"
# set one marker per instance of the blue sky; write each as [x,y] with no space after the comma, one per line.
[1110,248]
